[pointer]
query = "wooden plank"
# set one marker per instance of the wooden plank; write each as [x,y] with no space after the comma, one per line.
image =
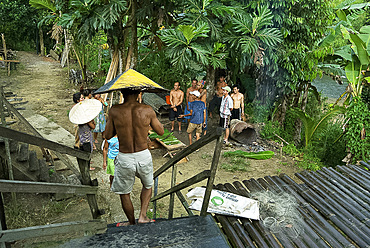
[92,226]
[169,147]
[9,60]
[195,179]
[40,187]
[184,203]
[22,119]
[37,141]
[172,195]
[193,147]
[211,179]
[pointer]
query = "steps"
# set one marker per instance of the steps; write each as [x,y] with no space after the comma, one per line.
[194,231]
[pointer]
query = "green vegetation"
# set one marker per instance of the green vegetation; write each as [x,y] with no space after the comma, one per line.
[273,49]
[235,164]
[253,155]
[24,214]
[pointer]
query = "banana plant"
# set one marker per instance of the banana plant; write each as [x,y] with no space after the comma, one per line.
[311,126]
[356,54]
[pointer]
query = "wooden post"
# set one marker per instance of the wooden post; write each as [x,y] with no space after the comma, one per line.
[7,149]
[5,53]
[211,179]
[2,220]
[172,196]
[155,194]
[86,180]
[42,47]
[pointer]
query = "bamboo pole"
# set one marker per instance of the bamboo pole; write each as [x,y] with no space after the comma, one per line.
[354,187]
[295,189]
[267,238]
[359,179]
[332,206]
[340,197]
[337,182]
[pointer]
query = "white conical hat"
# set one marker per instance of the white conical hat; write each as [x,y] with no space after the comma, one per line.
[85,111]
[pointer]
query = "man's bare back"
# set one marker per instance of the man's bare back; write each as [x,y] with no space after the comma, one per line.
[131,122]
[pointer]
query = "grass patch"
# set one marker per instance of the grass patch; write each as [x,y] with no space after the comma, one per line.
[22,214]
[236,164]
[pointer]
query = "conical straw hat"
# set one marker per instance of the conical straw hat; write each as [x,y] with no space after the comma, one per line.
[131,79]
[85,111]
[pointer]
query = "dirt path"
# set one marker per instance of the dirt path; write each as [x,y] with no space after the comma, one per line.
[43,83]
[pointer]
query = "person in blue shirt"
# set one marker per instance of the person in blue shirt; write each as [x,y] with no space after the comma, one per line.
[197,115]
[110,151]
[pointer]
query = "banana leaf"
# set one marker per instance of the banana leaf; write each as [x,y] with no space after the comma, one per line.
[253,155]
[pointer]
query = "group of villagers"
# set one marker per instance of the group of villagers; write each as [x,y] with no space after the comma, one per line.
[130,122]
[196,111]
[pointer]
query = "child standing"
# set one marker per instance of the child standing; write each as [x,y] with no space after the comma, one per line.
[110,151]
[197,110]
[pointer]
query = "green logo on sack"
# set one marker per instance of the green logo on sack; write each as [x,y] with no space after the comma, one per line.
[217,201]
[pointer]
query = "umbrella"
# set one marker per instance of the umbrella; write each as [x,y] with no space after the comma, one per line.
[131,79]
[85,111]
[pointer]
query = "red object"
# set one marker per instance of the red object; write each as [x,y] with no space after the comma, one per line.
[168,100]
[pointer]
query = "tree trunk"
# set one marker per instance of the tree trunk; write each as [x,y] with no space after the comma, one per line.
[298,123]
[210,83]
[42,47]
[134,47]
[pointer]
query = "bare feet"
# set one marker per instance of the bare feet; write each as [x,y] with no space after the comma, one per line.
[123,224]
[92,168]
[147,220]
[96,141]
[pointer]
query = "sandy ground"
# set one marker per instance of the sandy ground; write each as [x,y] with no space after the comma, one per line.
[44,84]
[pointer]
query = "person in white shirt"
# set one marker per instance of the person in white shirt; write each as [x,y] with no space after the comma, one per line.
[225,112]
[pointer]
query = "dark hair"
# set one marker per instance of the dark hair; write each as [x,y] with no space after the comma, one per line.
[194,79]
[127,92]
[76,97]
[237,86]
[86,92]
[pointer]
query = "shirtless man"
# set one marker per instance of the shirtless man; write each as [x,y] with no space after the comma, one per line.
[131,122]
[238,104]
[190,98]
[203,98]
[176,98]
[216,101]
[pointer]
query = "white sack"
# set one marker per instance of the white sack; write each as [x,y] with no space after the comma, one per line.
[226,203]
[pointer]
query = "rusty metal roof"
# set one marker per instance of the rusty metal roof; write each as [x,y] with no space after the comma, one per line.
[332,203]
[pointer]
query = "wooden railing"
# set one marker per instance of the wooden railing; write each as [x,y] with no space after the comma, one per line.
[88,186]
[207,174]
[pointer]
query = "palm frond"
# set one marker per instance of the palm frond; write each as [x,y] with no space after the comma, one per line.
[200,53]
[188,32]
[43,4]
[270,37]
[173,38]
[242,23]
[248,45]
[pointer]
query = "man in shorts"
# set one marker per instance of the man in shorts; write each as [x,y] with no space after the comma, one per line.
[176,98]
[197,116]
[225,112]
[238,101]
[131,122]
[190,98]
